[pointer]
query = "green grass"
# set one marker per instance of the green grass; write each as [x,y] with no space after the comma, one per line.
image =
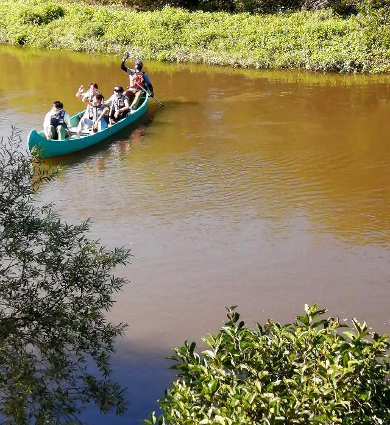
[316,41]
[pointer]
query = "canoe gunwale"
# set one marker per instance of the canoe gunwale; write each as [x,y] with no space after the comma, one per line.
[44,148]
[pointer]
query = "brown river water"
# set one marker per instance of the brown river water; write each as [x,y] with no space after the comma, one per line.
[263,189]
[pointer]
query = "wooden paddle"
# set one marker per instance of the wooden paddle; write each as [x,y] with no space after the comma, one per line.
[160,103]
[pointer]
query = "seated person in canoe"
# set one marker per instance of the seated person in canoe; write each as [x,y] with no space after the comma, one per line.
[139,82]
[56,122]
[87,97]
[99,113]
[119,105]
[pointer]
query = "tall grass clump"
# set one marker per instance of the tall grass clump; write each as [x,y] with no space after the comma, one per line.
[319,41]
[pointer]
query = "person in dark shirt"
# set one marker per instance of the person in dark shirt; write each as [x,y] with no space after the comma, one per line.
[139,82]
[56,122]
[119,105]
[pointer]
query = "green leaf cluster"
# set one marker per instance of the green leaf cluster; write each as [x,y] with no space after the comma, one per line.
[318,41]
[307,372]
[56,286]
[41,13]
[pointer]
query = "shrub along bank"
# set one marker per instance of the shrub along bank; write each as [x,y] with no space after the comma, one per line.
[320,41]
[307,372]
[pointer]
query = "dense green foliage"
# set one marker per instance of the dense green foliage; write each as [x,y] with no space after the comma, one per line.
[307,372]
[55,288]
[312,40]
[342,7]
[42,14]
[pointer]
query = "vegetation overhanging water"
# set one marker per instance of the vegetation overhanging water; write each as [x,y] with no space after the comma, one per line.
[318,41]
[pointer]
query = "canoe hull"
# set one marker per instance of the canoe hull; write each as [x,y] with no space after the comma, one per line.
[37,142]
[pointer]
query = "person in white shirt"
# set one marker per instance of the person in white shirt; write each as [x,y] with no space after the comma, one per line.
[56,122]
[87,97]
[99,119]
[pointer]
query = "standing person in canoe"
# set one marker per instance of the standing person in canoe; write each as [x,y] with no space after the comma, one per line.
[56,122]
[138,82]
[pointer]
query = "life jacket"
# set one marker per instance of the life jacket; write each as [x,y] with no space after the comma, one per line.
[56,120]
[137,79]
[119,102]
[97,111]
[90,112]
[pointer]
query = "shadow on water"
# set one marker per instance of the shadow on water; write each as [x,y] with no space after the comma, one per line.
[180,103]
[145,374]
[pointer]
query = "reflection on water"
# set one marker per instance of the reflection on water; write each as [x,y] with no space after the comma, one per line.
[265,189]
[145,374]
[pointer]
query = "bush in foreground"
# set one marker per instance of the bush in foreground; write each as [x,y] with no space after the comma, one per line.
[307,372]
[55,288]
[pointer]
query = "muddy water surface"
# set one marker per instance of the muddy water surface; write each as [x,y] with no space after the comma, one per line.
[264,189]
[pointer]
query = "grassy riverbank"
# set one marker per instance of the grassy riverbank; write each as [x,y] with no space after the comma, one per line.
[317,41]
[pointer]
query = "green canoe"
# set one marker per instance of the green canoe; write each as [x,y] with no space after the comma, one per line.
[50,148]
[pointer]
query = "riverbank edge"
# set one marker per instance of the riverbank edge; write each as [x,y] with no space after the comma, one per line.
[316,41]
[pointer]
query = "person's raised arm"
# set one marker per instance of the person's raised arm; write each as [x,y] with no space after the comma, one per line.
[80,91]
[123,66]
[85,98]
